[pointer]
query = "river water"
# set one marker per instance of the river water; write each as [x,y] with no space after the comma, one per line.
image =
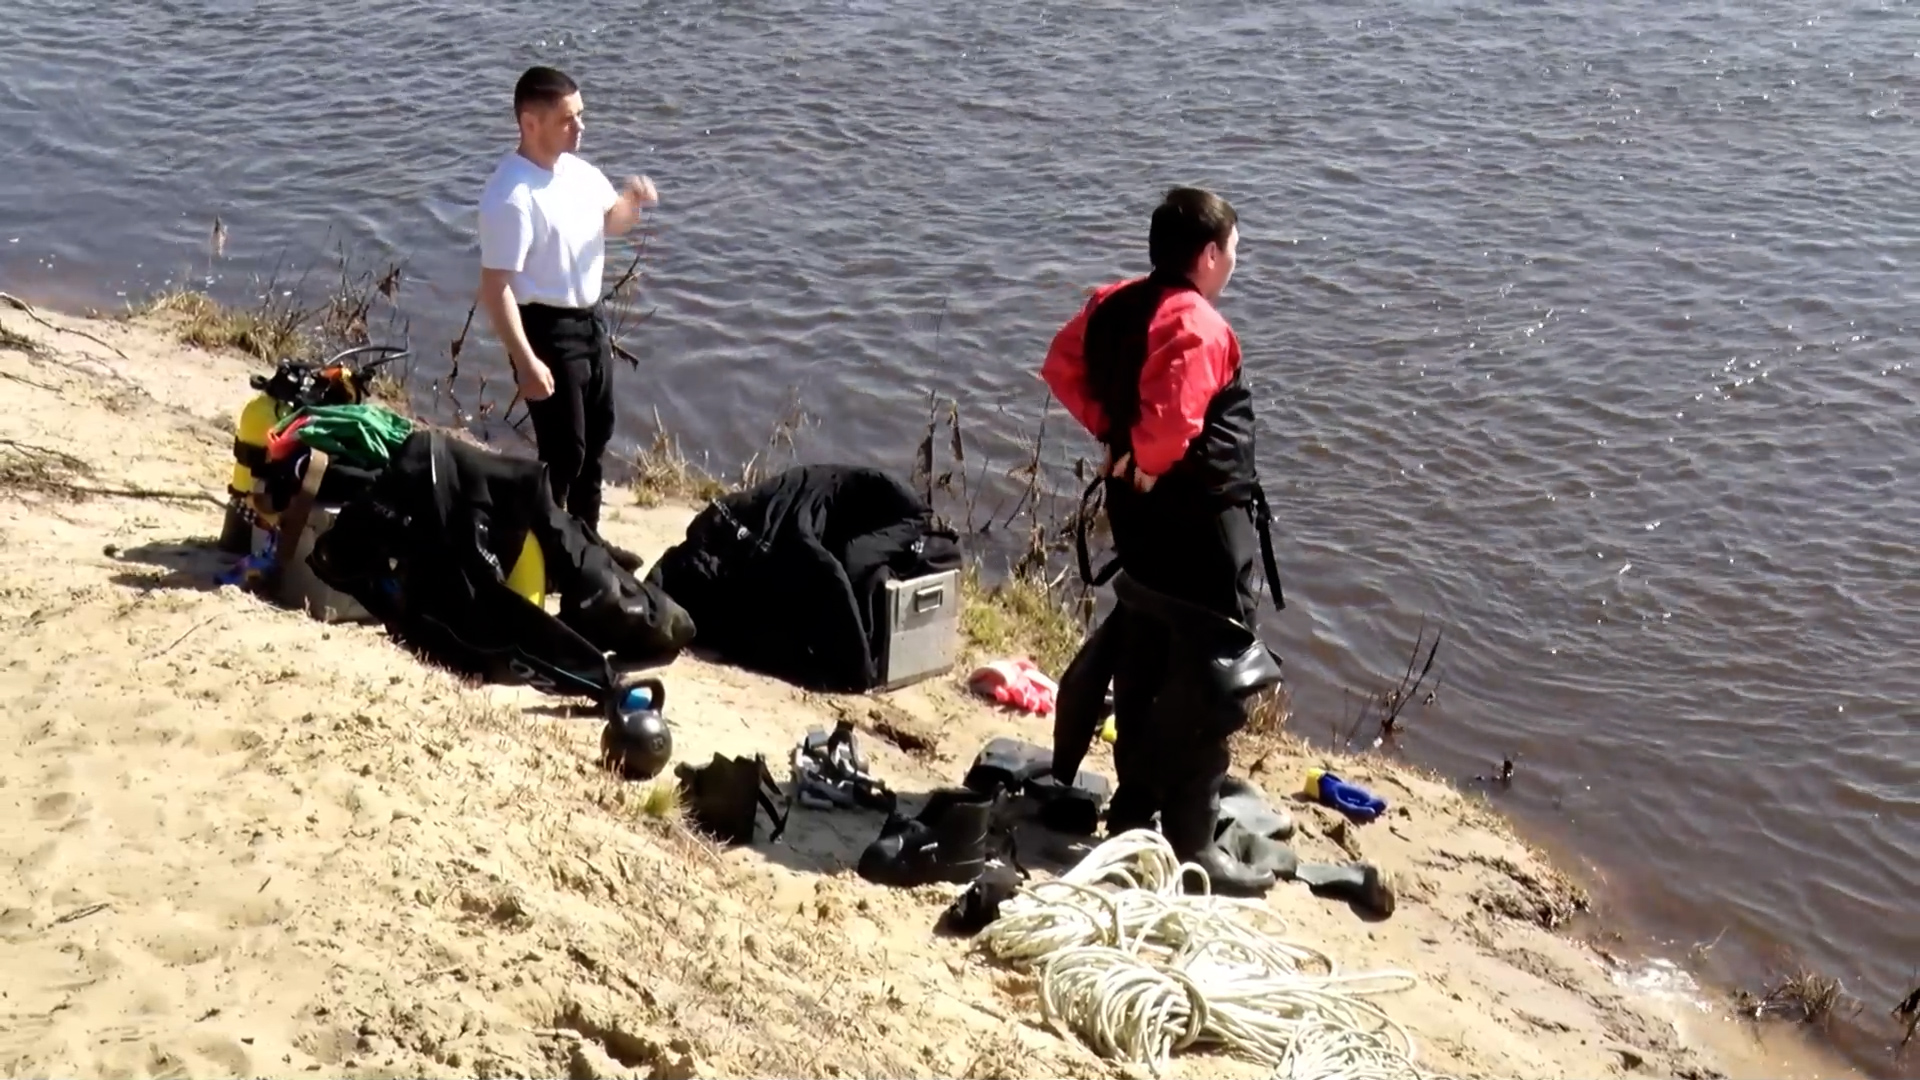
[1579,330]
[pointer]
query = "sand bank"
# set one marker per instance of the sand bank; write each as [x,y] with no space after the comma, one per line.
[234,841]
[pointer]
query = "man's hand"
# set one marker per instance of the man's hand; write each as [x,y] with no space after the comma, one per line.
[640,192]
[533,377]
[1118,468]
[625,212]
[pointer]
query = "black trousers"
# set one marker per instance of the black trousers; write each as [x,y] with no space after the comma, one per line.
[1166,760]
[573,425]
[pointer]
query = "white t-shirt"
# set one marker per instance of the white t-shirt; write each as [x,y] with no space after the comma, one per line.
[549,228]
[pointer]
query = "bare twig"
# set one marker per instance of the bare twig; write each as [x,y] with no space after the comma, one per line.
[81,912]
[1908,1011]
[453,350]
[1385,706]
[157,494]
[26,309]
[175,643]
[24,381]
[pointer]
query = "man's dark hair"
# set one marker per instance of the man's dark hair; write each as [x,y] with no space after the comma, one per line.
[539,86]
[1184,223]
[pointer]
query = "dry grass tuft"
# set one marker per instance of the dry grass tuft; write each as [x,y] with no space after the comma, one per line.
[1022,615]
[1800,994]
[273,330]
[281,323]
[28,468]
[662,474]
[19,342]
[1907,1011]
[1265,737]
[662,801]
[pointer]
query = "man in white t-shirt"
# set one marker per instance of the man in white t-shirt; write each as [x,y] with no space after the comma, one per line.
[544,218]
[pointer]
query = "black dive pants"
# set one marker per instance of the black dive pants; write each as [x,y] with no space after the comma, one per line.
[573,425]
[1163,760]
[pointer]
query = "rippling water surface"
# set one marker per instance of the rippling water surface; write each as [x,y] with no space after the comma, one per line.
[1580,329]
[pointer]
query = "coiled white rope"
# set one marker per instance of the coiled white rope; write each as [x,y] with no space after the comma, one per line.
[1140,970]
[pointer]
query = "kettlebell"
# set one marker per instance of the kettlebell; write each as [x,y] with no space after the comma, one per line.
[637,742]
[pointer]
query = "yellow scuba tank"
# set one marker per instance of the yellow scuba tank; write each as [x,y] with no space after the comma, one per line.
[254,425]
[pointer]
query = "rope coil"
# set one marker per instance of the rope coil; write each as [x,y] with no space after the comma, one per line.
[1139,970]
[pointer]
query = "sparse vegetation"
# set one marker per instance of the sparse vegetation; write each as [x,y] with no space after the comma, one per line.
[1907,1012]
[26,467]
[19,342]
[1021,614]
[267,332]
[1265,735]
[1381,709]
[662,473]
[284,321]
[662,800]
[1798,993]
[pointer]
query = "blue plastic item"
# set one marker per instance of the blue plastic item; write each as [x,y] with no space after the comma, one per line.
[638,698]
[1350,799]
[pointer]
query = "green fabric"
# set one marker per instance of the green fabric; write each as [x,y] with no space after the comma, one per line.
[365,435]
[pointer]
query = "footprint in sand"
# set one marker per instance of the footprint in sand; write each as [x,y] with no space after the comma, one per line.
[185,945]
[252,912]
[16,924]
[227,740]
[60,806]
[228,1055]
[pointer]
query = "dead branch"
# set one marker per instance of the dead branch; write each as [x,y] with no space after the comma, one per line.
[453,350]
[175,643]
[156,494]
[1384,707]
[26,309]
[24,381]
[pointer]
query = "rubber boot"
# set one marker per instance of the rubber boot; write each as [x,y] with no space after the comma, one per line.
[1188,819]
[1084,700]
[1257,852]
[1131,808]
[945,841]
[1242,802]
[1139,753]
[1363,885]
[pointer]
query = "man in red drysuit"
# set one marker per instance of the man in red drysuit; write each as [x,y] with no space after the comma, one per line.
[1150,369]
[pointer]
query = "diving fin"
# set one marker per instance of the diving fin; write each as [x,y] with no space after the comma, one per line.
[1007,764]
[1073,809]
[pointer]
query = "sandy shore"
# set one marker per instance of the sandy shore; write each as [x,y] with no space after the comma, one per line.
[235,841]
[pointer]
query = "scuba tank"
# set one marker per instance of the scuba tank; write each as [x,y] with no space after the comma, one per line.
[637,742]
[298,384]
[256,422]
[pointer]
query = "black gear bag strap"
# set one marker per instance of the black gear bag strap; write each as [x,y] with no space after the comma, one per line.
[1087,575]
[1263,523]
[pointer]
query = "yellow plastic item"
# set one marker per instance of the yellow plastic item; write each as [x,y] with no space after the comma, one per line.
[1312,786]
[1107,733]
[529,574]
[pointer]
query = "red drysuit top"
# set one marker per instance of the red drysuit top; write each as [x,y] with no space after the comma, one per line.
[1191,354]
